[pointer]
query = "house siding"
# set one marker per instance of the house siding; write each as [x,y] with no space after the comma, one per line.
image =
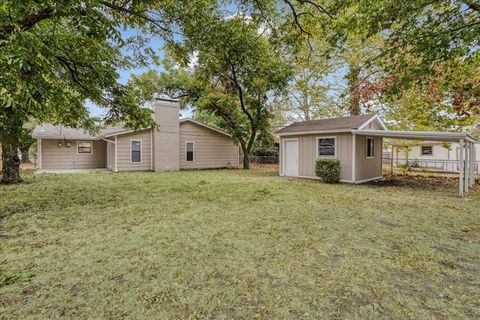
[123,151]
[54,157]
[307,148]
[367,168]
[211,149]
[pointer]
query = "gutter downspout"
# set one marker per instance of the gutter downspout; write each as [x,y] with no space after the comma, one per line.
[39,151]
[116,147]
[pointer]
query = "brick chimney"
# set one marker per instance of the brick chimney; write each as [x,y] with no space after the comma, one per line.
[166,139]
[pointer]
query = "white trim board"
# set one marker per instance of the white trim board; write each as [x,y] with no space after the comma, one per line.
[375,117]
[369,179]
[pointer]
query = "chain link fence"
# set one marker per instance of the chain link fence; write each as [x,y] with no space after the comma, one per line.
[262,162]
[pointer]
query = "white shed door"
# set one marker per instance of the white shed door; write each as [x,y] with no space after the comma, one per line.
[291,158]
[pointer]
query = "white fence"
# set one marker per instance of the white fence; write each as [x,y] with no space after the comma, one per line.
[427,164]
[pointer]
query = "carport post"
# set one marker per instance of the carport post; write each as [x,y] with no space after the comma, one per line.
[461,170]
[467,166]
[472,164]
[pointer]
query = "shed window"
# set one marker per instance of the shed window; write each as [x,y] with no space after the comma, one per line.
[84,147]
[326,147]
[427,150]
[136,151]
[189,151]
[370,147]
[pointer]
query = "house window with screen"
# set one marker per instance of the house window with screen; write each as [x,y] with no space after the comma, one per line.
[370,147]
[326,147]
[427,150]
[189,151]
[84,147]
[136,151]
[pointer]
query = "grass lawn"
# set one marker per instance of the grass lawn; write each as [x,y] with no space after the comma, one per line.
[235,245]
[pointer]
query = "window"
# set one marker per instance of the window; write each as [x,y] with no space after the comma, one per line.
[326,147]
[189,151]
[370,147]
[84,147]
[427,150]
[136,151]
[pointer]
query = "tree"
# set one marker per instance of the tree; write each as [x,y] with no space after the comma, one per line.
[236,70]
[307,95]
[54,55]
[419,35]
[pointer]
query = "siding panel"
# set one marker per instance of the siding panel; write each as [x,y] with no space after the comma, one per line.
[307,154]
[54,157]
[211,149]
[123,151]
[368,168]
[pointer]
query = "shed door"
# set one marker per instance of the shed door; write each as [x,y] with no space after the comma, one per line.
[291,158]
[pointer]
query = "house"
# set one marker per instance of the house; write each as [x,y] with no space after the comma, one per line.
[357,142]
[176,144]
[302,143]
[432,154]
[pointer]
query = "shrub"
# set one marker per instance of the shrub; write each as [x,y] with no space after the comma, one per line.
[328,170]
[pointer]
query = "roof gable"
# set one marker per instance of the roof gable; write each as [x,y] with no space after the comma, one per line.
[204,125]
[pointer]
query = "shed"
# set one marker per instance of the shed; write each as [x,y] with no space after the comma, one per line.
[357,142]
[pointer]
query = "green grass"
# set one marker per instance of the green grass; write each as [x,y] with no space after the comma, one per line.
[235,245]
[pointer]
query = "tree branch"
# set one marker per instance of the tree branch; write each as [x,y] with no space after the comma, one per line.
[27,22]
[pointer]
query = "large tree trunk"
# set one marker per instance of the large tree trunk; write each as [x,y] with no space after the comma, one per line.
[246,158]
[11,163]
[353,78]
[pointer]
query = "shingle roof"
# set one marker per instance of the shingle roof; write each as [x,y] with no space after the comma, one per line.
[50,131]
[352,122]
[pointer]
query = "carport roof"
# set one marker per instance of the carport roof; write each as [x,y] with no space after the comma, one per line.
[418,135]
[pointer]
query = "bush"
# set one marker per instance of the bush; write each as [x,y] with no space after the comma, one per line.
[328,170]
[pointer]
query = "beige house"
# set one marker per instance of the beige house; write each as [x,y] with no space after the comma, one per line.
[302,143]
[176,144]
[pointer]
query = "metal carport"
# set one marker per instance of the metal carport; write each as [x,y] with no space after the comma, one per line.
[466,142]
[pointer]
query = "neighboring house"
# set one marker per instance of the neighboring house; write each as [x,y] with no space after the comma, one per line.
[302,143]
[176,144]
[432,154]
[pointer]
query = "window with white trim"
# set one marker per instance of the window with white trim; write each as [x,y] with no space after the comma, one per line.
[135,151]
[426,150]
[326,147]
[85,147]
[370,147]
[189,150]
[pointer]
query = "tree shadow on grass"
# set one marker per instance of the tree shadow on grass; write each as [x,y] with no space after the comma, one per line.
[443,184]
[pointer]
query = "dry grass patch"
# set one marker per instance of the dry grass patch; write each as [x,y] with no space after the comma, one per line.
[235,245]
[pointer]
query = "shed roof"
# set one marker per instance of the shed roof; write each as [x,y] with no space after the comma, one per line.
[343,123]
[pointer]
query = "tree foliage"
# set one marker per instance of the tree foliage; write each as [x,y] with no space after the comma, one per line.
[231,72]
[54,55]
